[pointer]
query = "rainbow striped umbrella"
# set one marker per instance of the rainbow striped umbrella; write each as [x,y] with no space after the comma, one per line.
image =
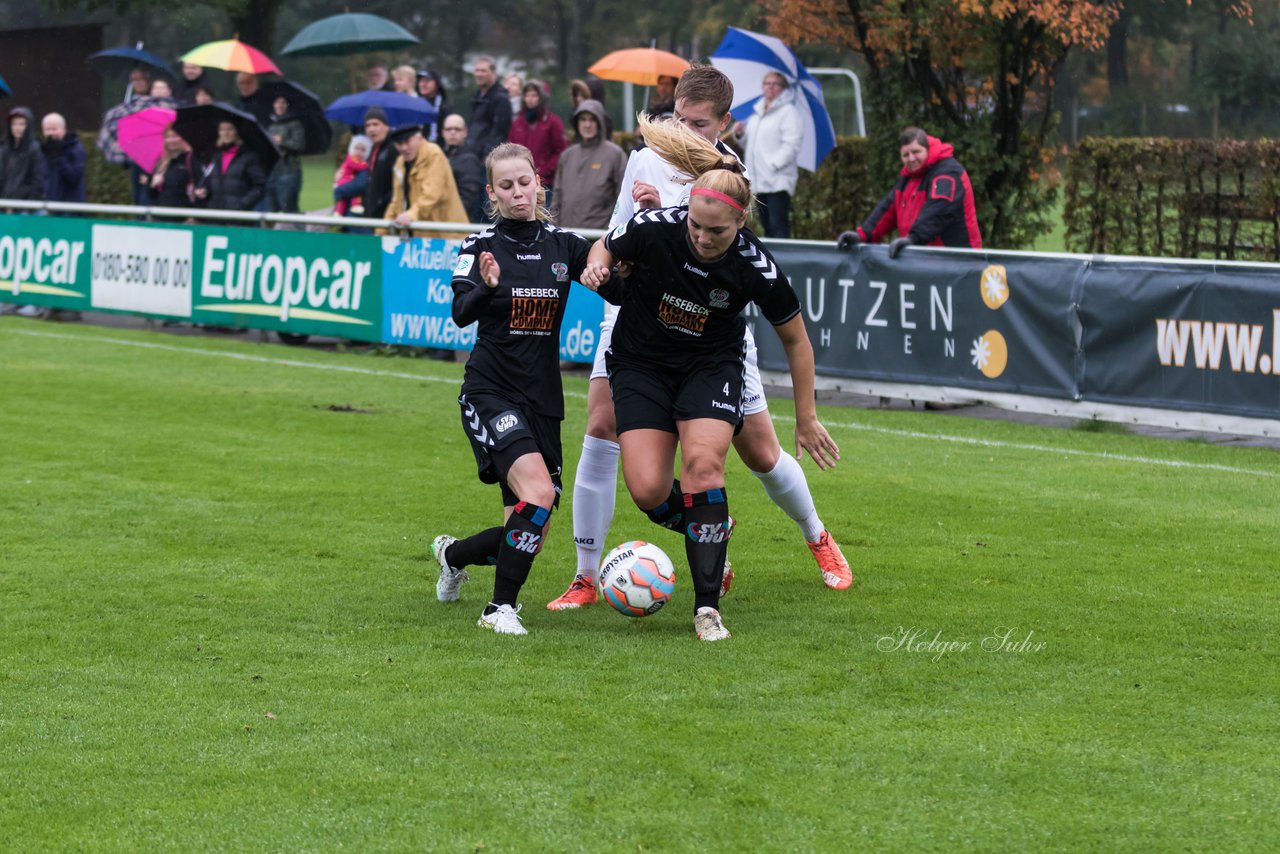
[232,55]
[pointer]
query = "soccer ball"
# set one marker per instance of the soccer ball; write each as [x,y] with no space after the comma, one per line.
[637,578]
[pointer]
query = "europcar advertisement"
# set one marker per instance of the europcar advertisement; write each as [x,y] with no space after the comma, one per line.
[45,261]
[314,284]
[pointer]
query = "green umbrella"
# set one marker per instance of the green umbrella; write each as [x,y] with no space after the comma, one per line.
[342,35]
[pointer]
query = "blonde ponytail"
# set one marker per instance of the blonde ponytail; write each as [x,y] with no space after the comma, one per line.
[691,154]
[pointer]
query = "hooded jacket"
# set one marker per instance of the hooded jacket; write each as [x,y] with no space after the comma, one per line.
[432,192]
[932,206]
[589,177]
[293,139]
[242,185]
[543,135]
[22,165]
[772,139]
[64,161]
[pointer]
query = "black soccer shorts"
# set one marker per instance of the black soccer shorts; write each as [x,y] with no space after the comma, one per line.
[653,397]
[501,432]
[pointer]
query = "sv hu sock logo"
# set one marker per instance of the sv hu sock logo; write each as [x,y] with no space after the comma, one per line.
[524,541]
[703,533]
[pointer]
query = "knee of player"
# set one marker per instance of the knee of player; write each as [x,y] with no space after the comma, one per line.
[649,495]
[700,471]
[601,424]
[758,447]
[541,494]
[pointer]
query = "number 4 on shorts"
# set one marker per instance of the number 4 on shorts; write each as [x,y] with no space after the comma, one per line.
[726,389]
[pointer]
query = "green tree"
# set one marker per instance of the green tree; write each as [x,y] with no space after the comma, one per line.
[977,72]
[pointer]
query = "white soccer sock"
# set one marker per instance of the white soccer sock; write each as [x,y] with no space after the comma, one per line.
[789,489]
[595,490]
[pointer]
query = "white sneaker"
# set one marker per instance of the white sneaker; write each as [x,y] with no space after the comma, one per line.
[707,625]
[504,621]
[31,311]
[450,579]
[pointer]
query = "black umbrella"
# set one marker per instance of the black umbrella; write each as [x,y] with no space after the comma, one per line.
[198,125]
[306,107]
[120,61]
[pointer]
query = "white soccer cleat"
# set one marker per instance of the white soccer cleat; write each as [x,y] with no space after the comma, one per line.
[707,625]
[450,579]
[726,580]
[504,621]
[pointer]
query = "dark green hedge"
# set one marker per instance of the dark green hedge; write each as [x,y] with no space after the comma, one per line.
[1183,198]
[835,198]
[105,184]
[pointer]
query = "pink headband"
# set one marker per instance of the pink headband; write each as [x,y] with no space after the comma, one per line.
[716,194]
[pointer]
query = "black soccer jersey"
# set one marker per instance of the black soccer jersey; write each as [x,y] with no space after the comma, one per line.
[676,306]
[517,352]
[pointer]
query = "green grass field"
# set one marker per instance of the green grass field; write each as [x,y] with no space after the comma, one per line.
[218,631]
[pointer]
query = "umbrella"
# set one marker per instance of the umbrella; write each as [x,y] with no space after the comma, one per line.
[640,65]
[108,137]
[141,135]
[401,109]
[232,55]
[4,88]
[119,61]
[745,57]
[342,35]
[305,106]
[198,125]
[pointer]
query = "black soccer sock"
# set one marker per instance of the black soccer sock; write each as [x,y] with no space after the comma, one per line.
[521,542]
[670,513]
[706,544]
[476,550]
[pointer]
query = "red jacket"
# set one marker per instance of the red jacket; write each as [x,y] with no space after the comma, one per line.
[933,205]
[545,138]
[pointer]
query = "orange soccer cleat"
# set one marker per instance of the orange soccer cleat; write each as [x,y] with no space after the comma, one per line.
[831,562]
[582,591]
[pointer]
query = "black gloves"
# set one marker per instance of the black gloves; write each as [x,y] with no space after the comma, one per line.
[896,246]
[848,240]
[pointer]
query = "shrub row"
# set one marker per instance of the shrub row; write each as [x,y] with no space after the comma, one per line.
[1185,198]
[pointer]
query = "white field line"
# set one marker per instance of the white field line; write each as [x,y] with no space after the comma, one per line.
[844,425]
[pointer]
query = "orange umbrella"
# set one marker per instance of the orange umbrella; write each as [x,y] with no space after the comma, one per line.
[232,55]
[639,65]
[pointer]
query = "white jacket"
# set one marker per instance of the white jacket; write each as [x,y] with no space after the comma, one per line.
[772,141]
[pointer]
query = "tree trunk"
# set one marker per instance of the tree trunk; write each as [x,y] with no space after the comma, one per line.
[256,24]
[1118,51]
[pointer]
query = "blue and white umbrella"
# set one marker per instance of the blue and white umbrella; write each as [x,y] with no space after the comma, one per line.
[745,57]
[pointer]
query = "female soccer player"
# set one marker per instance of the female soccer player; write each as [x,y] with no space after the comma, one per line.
[676,358]
[513,277]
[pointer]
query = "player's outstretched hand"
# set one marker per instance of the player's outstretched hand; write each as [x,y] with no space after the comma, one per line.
[645,195]
[815,439]
[489,269]
[594,275]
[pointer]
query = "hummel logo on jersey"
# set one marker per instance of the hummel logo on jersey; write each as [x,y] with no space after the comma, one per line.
[757,258]
[696,271]
[715,404]
[525,542]
[537,256]
[705,534]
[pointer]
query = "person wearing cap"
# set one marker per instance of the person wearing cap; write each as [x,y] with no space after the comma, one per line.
[376,193]
[541,131]
[423,188]
[431,89]
[22,164]
[590,173]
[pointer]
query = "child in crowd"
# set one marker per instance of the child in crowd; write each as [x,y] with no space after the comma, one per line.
[354,168]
